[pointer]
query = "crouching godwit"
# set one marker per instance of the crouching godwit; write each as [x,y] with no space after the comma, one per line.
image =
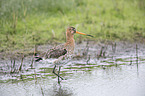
[63,51]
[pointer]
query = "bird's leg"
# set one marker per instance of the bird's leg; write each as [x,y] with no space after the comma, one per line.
[58,72]
[54,70]
[59,75]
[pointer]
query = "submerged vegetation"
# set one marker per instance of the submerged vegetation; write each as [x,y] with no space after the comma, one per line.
[24,23]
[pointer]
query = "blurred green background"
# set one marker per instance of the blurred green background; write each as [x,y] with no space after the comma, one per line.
[24,23]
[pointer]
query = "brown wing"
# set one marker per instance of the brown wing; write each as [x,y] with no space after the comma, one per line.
[56,53]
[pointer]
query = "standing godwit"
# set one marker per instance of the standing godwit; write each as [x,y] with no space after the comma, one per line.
[63,51]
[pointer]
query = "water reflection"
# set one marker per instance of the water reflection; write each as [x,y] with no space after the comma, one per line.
[60,90]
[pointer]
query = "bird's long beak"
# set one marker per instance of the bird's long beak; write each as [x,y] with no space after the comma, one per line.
[83,34]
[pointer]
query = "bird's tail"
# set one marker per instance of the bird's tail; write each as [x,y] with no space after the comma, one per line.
[37,58]
[41,56]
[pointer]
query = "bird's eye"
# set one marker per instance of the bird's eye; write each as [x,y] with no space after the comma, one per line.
[74,30]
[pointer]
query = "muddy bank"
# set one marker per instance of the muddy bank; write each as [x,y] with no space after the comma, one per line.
[28,52]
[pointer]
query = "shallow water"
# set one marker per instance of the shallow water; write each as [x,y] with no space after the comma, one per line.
[119,73]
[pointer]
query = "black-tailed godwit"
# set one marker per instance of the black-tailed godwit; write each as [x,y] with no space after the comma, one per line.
[62,51]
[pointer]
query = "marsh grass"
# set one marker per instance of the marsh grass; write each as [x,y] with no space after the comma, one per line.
[25,23]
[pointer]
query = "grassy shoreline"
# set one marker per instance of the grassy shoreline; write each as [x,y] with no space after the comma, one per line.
[25,23]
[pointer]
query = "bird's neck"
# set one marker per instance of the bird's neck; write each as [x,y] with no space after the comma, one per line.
[70,44]
[70,41]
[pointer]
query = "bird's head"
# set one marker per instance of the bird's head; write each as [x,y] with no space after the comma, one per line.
[71,31]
